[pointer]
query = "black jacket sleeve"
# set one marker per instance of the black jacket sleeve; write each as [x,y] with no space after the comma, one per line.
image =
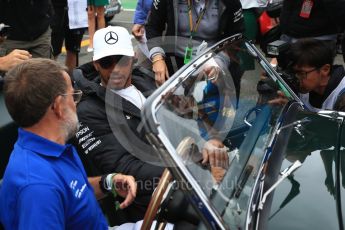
[232,21]
[97,142]
[157,19]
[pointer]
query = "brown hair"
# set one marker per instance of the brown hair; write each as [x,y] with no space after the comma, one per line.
[31,87]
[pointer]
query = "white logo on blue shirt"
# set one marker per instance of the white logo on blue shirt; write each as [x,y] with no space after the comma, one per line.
[78,192]
[73,184]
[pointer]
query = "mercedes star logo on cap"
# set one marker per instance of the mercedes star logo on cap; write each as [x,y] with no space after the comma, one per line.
[111,38]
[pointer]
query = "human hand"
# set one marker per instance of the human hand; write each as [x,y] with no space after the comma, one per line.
[138,31]
[212,73]
[212,70]
[216,154]
[126,187]
[13,58]
[160,69]
[280,100]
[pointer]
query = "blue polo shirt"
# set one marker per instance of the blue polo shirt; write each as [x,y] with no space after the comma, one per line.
[45,187]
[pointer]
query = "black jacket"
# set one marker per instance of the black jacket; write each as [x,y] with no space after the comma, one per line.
[326,17]
[109,128]
[28,18]
[59,3]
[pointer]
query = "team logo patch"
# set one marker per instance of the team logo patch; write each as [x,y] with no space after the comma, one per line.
[111,38]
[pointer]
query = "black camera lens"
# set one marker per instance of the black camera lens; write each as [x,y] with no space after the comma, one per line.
[291,79]
[4,30]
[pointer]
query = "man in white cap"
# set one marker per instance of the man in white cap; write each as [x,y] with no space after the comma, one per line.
[109,112]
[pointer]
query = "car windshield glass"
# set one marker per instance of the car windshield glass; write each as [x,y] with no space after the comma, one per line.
[218,120]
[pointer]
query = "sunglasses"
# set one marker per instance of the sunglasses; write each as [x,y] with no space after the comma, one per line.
[110,61]
[77,94]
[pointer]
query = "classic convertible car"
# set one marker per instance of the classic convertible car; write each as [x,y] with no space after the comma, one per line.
[285,164]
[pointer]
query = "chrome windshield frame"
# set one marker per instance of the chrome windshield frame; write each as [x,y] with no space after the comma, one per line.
[168,152]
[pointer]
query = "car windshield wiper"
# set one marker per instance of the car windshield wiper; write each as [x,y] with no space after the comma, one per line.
[296,124]
[285,173]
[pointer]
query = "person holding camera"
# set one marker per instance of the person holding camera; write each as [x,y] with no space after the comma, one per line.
[321,84]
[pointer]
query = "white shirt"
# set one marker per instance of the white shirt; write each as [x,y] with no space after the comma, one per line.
[133,95]
[330,100]
[247,4]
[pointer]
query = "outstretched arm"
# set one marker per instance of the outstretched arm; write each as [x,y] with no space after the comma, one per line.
[13,58]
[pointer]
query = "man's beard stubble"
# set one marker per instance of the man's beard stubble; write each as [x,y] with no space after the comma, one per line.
[71,124]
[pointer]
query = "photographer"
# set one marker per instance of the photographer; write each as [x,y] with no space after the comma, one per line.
[321,84]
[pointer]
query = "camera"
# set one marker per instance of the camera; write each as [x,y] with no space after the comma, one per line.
[4,30]
[280,49]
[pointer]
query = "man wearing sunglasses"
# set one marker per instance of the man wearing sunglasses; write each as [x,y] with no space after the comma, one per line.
[110,136]
[45,185]
[321,84]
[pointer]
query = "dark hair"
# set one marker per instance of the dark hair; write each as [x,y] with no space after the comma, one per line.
[31,87]
[311,52]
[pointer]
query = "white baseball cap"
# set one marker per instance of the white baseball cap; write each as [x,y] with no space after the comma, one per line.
[112,40]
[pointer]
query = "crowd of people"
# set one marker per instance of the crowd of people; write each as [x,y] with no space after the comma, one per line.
[63,112]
